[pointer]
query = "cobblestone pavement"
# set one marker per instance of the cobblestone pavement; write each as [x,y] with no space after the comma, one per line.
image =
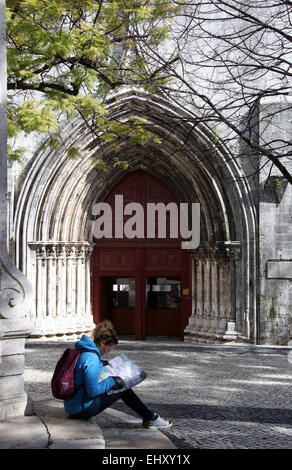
[218,396]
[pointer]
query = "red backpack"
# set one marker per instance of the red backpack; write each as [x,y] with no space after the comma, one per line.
[62,383]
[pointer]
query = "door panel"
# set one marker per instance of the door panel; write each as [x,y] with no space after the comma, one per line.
[138,259]
[163,306]
[123,319]
[105,298]
[163,322]
[123,295]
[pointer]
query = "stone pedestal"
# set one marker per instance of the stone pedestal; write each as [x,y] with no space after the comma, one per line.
[15,290]
[221,328]
[2,406]
[213,328]
[15,325]
[206,326]
[230,334]
[12,395]
[191,326]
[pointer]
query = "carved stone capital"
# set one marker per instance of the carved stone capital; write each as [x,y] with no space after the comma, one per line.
[61,250]
[233,252]
[221,251]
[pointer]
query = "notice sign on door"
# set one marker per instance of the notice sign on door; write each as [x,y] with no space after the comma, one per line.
[186,291]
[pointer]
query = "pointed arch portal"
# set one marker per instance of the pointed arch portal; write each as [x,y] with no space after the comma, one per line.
[77,278]
[142,284]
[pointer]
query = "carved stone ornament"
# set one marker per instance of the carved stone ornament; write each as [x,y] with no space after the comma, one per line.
[222,251]
[15,290]
[61,250]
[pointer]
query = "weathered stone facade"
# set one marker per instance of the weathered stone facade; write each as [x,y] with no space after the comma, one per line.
[235,296]
[53,224]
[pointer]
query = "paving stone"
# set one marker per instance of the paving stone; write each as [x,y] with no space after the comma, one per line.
[14,433]
[131,435]
[60,427]
[78,444]
[218,396]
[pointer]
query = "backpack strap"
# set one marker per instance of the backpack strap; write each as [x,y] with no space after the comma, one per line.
[82,385]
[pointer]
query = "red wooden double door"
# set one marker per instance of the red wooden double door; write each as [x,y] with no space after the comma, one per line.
[142,284]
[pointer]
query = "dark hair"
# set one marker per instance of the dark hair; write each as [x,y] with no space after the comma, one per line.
[104,331]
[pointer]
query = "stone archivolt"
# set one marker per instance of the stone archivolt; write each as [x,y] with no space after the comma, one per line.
[53,218]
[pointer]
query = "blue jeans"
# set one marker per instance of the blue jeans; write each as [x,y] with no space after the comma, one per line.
[104,401]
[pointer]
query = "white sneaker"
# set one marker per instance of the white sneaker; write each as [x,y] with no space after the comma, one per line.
[158,423]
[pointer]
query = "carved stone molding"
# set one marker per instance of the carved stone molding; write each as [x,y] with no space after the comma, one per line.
[221,251]
[15,290]
[61,250]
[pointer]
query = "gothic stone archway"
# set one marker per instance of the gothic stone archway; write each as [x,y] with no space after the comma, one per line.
[53,221]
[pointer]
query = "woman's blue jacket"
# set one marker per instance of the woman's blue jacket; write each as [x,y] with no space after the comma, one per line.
[86,373]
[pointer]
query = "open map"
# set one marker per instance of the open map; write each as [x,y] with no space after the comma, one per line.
[123,367]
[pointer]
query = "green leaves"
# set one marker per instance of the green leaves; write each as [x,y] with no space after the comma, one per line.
[73,152]
[29,117]
[65,56]
[15,155]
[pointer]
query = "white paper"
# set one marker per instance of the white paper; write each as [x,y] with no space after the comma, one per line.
[122,366]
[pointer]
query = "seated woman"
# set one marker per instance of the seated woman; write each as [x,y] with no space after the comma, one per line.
[90,397]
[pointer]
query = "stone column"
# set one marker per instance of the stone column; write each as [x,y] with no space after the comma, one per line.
[192,324]
[207,299]
[61,292]
[88,319]
[15,290]
[214,313]
[62,284]
[200,292]
[214,296]
[232,250]
[223,298]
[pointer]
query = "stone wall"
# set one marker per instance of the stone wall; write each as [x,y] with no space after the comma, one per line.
[275,231]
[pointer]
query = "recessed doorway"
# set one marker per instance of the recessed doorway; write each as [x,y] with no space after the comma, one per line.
[163,306]
[142,284]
